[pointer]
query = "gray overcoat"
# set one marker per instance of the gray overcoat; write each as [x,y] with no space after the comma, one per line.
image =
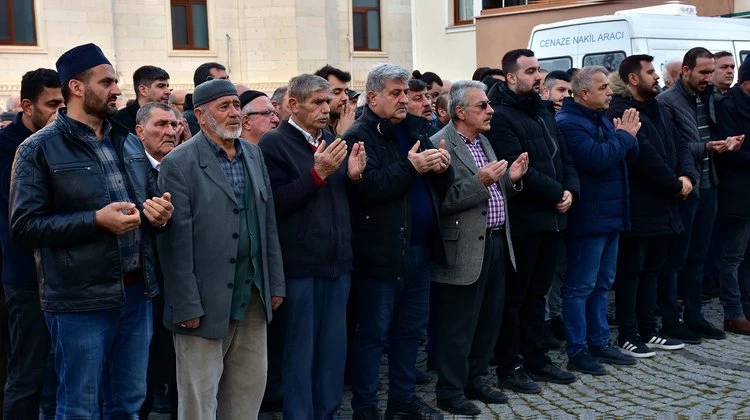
[197,252]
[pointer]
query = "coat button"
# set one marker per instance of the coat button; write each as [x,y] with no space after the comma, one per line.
[481,238]
[230,285]
[236,211]
[484,212]
[235,236]
[232,260]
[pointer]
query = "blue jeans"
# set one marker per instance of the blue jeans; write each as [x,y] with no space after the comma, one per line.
[315,346]
[734,267]
[31,384]
[592,263]
[105,350]
[394,313]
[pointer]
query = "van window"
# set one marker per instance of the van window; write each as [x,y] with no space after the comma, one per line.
[611,60]
[556,63]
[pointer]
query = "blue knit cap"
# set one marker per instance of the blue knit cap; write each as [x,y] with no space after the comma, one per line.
[79,59]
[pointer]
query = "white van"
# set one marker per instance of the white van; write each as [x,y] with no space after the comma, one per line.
[607,40]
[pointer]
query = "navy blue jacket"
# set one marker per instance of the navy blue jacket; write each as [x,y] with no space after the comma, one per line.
[315,229]
[733,118]
[18,264]
[599,154]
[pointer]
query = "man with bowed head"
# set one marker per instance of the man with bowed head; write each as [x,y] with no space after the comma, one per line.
[221,262]
[600,151]
[394,227]
[84,197]
[523,123]
[469,287]
[310,175]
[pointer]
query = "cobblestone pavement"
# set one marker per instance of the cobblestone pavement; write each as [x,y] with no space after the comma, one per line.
[710,380]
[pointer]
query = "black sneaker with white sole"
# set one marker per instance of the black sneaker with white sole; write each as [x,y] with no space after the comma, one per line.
[637,348]
[664,343]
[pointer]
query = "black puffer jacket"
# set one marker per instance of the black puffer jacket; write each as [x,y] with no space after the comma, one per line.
[525,124]
[380,210]
[654,206]
[733,113]
[56,187]
[680,107]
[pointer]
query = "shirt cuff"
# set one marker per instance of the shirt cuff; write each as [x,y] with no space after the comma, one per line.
[318,180]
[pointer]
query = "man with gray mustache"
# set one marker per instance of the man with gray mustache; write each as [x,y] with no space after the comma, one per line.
[221,262]
[394,230]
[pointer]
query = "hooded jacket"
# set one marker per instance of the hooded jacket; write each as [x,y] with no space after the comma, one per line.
[733,118]
[653,176]
[526,124]
[599,153]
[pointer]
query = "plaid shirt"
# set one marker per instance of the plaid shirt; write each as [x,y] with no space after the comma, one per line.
[114,175]
[496,204]
[233,169]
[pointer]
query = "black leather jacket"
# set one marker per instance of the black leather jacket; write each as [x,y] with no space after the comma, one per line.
[56,187]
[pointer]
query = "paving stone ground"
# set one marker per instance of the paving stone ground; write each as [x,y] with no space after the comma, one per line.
[710,380]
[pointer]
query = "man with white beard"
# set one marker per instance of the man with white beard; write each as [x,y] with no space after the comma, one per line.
[221,262]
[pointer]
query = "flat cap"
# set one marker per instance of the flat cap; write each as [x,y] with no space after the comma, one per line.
[212,89]
[79,59]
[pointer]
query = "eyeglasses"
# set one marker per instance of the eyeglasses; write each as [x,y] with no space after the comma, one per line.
[483,104]
[266,113]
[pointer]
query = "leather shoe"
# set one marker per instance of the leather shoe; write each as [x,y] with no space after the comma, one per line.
[706,330]
[460,406]
[737,326]
[371,413]
[415,408]
[552,373]
[519,381]
[486,394]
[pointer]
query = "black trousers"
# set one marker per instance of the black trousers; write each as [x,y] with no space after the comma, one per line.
[161,377]
[467,322]
[639,262]
[522,328]
[31,383]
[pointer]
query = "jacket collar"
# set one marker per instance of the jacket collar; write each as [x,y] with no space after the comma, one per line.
[412,124]
[500,94]
[76,129]
[570,105]
[741,99]
[683,89]
[17,129]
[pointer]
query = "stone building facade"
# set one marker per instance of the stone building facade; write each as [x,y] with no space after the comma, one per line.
[262,43]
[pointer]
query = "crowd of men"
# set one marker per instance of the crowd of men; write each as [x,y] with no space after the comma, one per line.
[205,255]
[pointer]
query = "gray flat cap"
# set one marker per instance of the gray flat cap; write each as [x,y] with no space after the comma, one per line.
[212,89]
